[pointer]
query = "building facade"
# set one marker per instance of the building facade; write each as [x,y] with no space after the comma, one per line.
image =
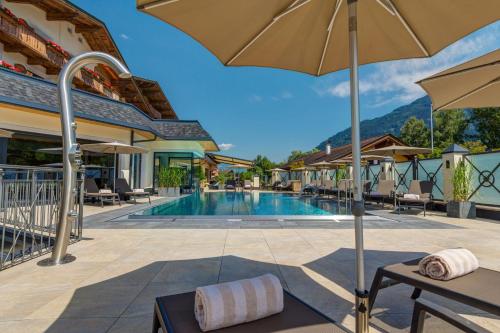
[37,37]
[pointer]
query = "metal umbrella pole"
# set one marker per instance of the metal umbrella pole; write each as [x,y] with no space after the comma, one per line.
[71,150]
[358,208]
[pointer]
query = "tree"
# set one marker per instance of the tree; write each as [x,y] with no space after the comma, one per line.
[475,146]
[487,124]
[262,165]
[449,127]
[415,133]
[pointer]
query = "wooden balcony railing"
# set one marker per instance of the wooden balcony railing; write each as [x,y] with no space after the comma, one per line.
[18,38]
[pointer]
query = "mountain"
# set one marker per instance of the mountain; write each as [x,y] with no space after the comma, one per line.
[388,123]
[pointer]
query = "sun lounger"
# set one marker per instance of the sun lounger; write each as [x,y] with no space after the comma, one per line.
[123,188]
[420,188]
[247,185]
[424,307]
[92,191]
[175,313]
[384,191]
[230,185]
[478,289]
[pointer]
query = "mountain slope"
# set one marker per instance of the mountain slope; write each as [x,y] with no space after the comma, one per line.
[388,123]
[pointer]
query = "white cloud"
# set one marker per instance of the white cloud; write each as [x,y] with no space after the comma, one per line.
[397,78]
[284,95]
[124,36]
[226,146]
[255,99]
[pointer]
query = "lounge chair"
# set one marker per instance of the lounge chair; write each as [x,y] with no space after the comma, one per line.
[477,289]
[230,185]
[123,189]
[175,313]
[213,185]
[424,307]
[421,188]
[247,185]
[385,190]
[93,192]
[276,185]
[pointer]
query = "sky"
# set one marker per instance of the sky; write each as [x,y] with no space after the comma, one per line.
[250,111]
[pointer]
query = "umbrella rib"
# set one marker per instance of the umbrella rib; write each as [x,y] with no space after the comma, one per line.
[394,11]
[327,41]
[293,6]
[472,92]
[155,4]
[461,71]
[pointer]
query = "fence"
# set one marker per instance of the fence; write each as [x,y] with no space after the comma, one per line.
[29,211]
[485,176]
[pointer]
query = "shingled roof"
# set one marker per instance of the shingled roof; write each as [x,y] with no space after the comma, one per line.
[22,90]
[345,150]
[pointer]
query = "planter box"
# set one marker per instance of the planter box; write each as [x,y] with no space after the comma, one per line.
[221,186]
[461,209]
[169,191]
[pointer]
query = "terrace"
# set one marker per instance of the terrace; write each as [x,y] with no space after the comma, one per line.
[123,264]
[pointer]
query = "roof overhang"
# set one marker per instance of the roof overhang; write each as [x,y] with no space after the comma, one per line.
[223,159]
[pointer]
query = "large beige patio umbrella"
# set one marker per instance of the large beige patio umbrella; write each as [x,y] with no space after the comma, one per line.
[473,84]
[321,36]
[113,148]
[5,133]
[393,150]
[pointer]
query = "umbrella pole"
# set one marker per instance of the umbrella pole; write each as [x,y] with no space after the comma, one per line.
[114,172]
[358,207]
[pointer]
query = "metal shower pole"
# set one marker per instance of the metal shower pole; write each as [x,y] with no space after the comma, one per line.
[71,150]
[358,208]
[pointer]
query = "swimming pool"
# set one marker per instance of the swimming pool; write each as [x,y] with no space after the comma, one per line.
[245,203]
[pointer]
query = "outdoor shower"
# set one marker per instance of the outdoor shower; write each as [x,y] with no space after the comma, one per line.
[71,150]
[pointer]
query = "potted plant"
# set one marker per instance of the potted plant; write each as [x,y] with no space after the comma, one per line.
[221,179]
[169,181]
[460,206]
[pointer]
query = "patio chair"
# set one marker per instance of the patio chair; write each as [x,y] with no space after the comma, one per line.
[230,185]
[286,186]
[420,188]
[276,185]
[123,189]
[174,314]
[424,307]
[385,190]
[247,185]
[213,185]
[92,191]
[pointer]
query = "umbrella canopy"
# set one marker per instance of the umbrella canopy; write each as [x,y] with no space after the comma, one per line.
[113,148]
[473,84]
[391,151]
[5,134]
[312,36]
[322,164]
[239,166]
[278,170]
[318,37]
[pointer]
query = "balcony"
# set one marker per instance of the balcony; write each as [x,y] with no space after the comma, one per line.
[18,37]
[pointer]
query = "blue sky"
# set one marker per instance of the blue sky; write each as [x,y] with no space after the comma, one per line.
[252,111]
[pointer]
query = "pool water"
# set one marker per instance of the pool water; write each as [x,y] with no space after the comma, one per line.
[245,203]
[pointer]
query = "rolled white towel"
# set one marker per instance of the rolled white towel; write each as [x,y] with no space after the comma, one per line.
[138,190]
[448,264]
[411,196]
[105,191]
[232,303]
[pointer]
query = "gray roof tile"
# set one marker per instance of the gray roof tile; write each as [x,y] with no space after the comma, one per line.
[23,90]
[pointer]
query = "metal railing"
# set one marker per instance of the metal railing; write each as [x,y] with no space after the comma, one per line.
[29,210]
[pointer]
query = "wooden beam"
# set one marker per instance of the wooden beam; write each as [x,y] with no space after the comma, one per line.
[36,61]
[13,48]
[60,16]
[80,28]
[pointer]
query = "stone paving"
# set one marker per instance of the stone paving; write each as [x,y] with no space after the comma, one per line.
[121,266]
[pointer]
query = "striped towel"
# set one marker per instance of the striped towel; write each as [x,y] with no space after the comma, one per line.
[448,264]
[232,303]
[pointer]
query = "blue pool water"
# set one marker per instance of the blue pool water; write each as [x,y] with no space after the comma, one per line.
[245,203]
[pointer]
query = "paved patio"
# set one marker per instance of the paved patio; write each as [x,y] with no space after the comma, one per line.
[122,265]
